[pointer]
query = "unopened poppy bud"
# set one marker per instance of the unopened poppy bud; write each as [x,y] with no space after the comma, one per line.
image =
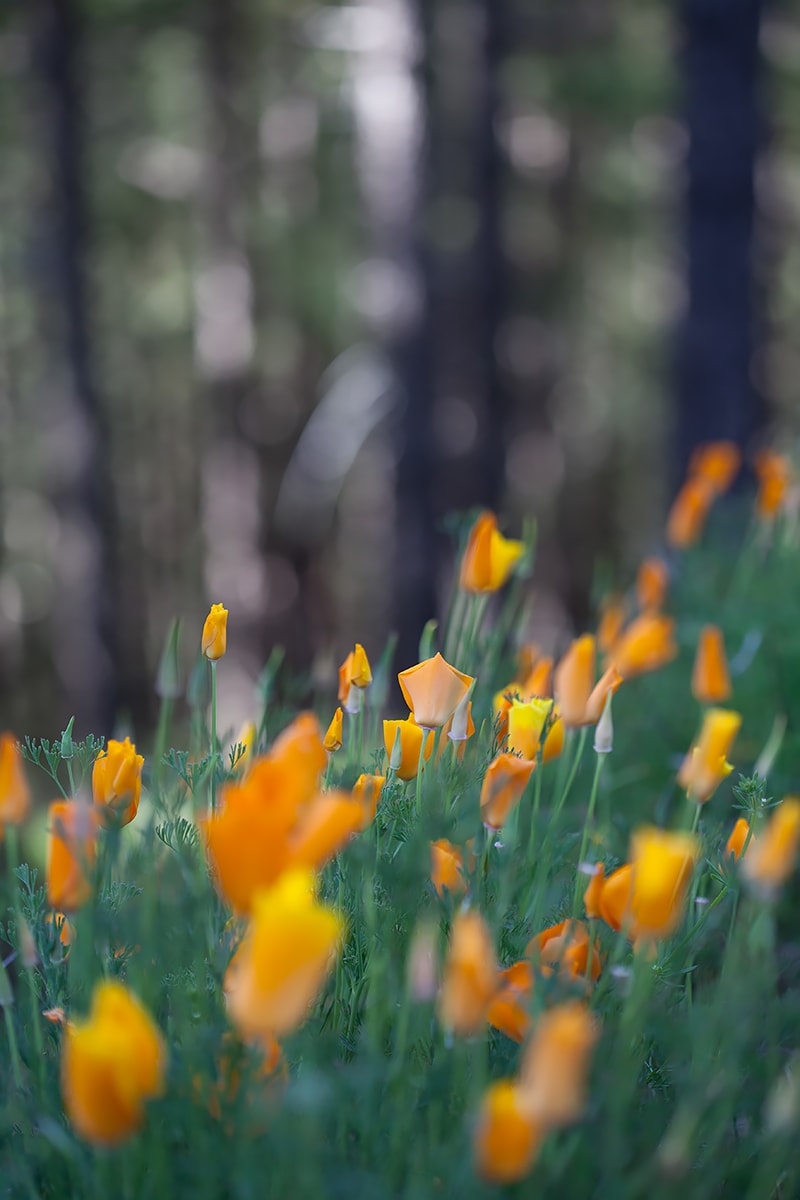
[422,967]
[27,945]
[215,633]
[604,729]
[710,680]
[461,720]
[333,735]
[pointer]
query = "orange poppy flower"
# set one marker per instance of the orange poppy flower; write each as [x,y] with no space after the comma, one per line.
[447,868]
[367,791]
[503,784]
[706,765]
[489,558]
[770,860]
[281,965]
[652,582]
[574,681]
[470,976]
[15,796]
[689,512]
[508,1010]
[717,463]
[565,947]
[71,853]
[507,1137]
[410,744]
[556,1064]
[433,690]
[739,839]
[646,645]
[711,682]
[215,633]
[117,781]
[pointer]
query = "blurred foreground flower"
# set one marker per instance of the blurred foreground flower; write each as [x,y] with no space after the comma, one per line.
[509,1007]
[447,868]
[71,852]
[215,633]
[652,581]
[526,721]
[277,818]
[111,1064]
[367,791]
[770,860]
[645,897]
[647,644]
[282,963]
[470,976]
[580,700]
[489,558]
[556,1064]
[117,781]
[566,947]
[706,764]
[688,514]
[774,473]
[507,1135]
[433,690]
[15,797]
[503,784]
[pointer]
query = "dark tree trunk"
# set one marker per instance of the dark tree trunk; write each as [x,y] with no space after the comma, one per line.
[416,543]
[717,397]
[85,649]
[491,280]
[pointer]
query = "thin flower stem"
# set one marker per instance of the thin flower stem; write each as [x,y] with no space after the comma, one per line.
[684,942]
[586,828]
[213,736]
[12,852]
[162,734]
[16,1064]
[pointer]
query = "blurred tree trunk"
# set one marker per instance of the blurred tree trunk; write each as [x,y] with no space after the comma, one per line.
[490,265]
[416,541]
[225,334]
[83,612]
[716,394]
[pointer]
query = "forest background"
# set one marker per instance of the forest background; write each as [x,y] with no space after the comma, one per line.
[283,284]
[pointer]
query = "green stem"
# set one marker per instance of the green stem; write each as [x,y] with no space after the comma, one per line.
[16,1064]
[213,736]
[586,827]
[162,734]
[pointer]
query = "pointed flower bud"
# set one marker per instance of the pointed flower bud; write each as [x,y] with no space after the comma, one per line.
[15,796]
[770,861]
[333,735]
[215,633]
[604,729]
[710,679]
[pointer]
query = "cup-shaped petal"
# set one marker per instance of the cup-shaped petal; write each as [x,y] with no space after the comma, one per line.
[410,745]
[433,690]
